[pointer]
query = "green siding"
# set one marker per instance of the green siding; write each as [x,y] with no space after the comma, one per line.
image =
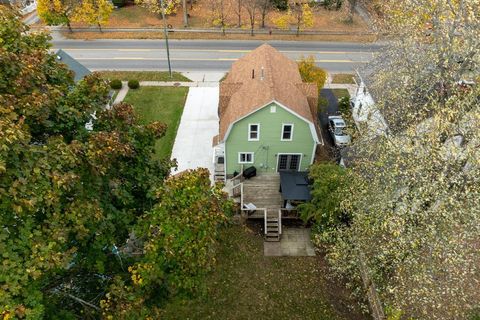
[266,149]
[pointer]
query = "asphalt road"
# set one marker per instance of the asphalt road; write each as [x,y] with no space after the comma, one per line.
[207,55]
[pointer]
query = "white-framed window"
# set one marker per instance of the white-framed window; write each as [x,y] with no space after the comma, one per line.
[245,157]
[273,109]
[253,132]
[287,132]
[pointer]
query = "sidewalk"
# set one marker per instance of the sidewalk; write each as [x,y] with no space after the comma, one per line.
[214,30]
[177,84]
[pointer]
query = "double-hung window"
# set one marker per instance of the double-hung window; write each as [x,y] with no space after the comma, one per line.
[287,132]
[253,132]
[245,157]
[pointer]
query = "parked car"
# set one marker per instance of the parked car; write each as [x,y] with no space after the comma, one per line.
[336,126]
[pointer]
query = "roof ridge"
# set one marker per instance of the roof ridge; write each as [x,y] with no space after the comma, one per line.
[282,76]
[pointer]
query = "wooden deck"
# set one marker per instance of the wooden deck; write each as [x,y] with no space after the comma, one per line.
[264,192]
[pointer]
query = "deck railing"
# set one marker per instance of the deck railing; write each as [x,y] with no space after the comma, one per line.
[237,191]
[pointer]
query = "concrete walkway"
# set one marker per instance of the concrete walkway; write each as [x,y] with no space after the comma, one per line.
[199,124]
[295,242]
[122,93]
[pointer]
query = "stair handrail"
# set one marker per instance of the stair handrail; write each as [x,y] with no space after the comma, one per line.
[265,220]
[279,221]
[239,176]
[241,195]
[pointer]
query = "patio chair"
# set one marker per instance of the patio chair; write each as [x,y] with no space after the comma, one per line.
[250,207]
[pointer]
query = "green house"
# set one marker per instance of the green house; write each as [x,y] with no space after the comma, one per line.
[268,116]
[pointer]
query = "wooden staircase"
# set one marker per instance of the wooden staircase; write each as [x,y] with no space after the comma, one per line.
[219,174]
[273,226]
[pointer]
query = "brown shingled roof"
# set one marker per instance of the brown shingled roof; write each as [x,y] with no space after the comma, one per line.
[260,77]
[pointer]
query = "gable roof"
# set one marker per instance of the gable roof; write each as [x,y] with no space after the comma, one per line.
[79,70]
[260,77]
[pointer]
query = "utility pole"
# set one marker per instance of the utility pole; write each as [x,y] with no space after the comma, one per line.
[166,36]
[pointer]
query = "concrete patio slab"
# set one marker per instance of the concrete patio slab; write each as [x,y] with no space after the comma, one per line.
[199,124]
[294,242]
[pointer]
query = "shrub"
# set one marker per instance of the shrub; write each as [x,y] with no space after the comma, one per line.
[280,4]
[133,84]
[116,84]
[311,73]
[322,104]
[118,3]
[344,105]
[332,4]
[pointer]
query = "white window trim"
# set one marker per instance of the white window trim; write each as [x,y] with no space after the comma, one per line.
[258,131]
[251,153]
[283,128]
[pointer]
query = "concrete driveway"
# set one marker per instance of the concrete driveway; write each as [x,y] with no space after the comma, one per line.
[199,124]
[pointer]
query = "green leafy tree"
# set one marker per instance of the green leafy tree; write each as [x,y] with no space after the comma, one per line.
[178,240]
[329,183]
[414,192]
[67,195]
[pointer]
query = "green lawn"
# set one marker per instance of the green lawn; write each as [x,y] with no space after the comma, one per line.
[247,285]
[143,76]
[339,93]
[163,104]
[343,78]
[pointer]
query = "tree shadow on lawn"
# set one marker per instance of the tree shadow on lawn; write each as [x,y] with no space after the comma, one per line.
[247,285]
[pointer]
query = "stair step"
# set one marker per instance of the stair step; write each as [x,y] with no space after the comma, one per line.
[271,239]
[272,234]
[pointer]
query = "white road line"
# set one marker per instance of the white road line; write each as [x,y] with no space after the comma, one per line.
[206,59]
[211,50]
